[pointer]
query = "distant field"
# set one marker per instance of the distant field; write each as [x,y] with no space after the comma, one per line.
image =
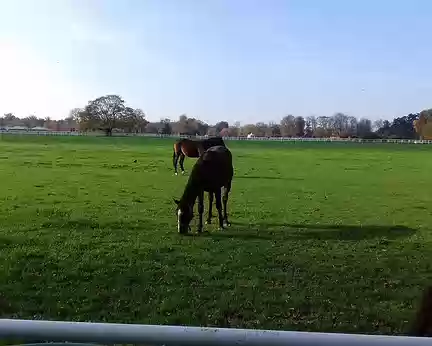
[325,236]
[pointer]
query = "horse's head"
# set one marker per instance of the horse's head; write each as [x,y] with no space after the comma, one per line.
[184,216]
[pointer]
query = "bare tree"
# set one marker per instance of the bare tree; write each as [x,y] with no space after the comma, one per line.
[30,121]
[248,128]
[273,130]
[288,126]
[312,122]
[324,127]
[377,124]
[261,129]
[300,125]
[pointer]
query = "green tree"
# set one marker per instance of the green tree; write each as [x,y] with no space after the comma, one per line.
[220,126]
[105,113]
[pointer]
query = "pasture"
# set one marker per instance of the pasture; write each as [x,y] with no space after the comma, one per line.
[324,236]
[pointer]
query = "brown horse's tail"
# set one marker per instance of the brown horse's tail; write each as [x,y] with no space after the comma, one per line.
[200,149]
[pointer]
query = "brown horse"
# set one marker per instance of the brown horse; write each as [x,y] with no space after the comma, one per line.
[192,148]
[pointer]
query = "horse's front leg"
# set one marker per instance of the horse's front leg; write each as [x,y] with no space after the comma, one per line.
[200,211]
[219,207]
[227,190]
[210,201]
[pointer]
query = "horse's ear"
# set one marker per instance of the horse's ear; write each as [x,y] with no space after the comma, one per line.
[176,201]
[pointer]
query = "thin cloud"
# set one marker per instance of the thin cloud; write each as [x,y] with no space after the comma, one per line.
[80,32]
[97,34]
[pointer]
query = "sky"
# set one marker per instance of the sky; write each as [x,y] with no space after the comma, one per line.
[233,60]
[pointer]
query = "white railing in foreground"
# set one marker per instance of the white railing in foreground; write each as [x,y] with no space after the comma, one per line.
[277,139]
[110,333]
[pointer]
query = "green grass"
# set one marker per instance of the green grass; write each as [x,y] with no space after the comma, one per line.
[325,236]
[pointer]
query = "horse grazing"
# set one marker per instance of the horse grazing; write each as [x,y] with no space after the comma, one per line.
[212,171]
[192,148]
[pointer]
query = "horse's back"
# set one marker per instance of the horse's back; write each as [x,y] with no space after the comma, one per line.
[218,152]
[188,146]
[219,149]
[213,142]
[216,166]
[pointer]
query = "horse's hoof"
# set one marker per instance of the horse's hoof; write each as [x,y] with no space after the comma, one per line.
[227,224]
[208,222]
[183,172]
[175,173]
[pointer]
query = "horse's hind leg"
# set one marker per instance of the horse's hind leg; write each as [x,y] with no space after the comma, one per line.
[175,160]
[227,190]
[210,201]
[219,207]
[182,158]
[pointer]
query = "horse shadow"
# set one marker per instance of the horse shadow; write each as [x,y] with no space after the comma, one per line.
[259,177]
[268,177]
[287,231]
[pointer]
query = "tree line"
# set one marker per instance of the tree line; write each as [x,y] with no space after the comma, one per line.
[110,114]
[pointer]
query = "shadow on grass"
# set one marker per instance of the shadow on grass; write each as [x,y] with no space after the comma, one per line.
[267,177]
[246,231]
[10,241]
[259,177]
[80,224]
[238,234]
[273,231]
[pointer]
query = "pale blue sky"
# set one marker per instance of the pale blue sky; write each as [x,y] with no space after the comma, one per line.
[234,60]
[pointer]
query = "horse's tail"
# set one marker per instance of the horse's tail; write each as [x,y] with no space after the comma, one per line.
[200,149]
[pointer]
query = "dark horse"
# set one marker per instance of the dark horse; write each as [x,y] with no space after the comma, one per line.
[192,148]
[212,171]
[422,325]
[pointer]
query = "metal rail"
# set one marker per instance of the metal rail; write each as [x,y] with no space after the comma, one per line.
[275,139]
[113,333]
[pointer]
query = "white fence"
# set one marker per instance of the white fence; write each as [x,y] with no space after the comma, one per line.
[113,333]
[277,139]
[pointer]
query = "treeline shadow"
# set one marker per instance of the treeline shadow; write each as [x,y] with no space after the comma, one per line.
[272,231]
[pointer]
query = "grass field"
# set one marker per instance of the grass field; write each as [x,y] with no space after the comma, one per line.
[325,237]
